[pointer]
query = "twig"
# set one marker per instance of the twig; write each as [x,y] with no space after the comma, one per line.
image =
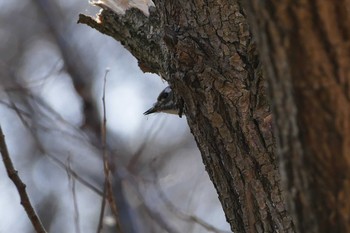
[21,187]
[74,195]
[107,189]
[58,162]
[148,138]
[74,174]
[153,214]
[181,214]
[103,205]
[105,163]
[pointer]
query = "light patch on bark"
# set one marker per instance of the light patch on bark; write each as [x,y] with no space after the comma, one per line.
[120,6]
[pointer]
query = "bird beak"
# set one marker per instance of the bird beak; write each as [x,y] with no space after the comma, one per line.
[150,111]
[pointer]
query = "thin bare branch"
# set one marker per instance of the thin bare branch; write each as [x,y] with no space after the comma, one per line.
[156,126]
[155,215]
[79,69]
[58,162]
[75,201]
[107,190]
[105,163]
[21,187]
[180,214]
[103,205]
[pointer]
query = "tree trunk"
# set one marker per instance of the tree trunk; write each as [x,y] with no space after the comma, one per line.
[306,51]
[205,51]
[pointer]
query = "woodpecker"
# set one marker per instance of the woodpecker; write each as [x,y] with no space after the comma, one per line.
[166,102]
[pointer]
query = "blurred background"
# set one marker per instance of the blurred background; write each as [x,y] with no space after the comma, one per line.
[52,73]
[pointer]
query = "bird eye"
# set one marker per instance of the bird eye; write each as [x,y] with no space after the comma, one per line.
[164,95]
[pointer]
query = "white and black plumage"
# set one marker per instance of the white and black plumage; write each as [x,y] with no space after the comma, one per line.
[166,103]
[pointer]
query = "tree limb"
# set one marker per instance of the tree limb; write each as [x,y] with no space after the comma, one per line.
[205,50]
[21,187]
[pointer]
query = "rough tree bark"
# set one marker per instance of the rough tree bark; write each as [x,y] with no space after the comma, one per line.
[305,46]
[205,51]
